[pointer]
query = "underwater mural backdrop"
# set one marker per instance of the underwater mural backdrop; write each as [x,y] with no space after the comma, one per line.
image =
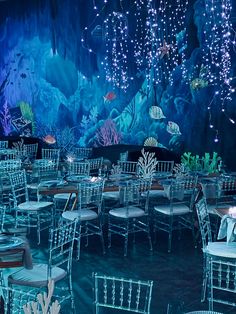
[102,72]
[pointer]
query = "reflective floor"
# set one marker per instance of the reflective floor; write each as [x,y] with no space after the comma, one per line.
[177,276]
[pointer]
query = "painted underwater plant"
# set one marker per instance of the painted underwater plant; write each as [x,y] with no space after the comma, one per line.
[5,118]
[108,134]
[27,114]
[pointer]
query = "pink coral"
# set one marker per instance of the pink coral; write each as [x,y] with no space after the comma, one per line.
[108,134]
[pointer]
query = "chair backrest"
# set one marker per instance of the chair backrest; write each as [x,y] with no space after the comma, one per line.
[8,153]
[2,217]
[204,222]
[124,156]
[222,283]
[185,187]
[19,187]
[136,193]
[90,195]
[7,166]
[45,168]
[79,167]
[51,153]
[122,294]
[129,167]
[30,150]
[95,164]
[3,144]
[165,166]
[15,299]
[61,242]
[83,152]
[226,190]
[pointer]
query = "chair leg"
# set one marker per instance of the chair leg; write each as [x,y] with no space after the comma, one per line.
[149,236]
[102,239]
[205,279]
[78,249]
[109,233]
[170,234]
[86,232]
[72,296]
[38,229]
[126,239]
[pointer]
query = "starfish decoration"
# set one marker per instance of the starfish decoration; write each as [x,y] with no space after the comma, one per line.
[164,50]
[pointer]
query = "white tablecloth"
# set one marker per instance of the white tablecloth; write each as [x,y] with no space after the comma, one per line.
[227,228]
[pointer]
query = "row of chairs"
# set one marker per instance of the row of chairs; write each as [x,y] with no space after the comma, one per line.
[31,151]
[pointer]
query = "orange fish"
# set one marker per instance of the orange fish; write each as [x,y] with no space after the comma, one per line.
[49,139]
[109,97]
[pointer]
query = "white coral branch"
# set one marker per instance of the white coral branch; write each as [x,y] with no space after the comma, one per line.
[147,164]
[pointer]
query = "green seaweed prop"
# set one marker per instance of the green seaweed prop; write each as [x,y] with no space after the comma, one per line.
[206,163]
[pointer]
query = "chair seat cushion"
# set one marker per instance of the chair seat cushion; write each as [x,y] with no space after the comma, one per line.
[157,193]
[83,214]
[222,249]
[122,212]
[37,276]
[34,205]
[111,195]
[212,208]
[33,186]
[178,209]
[64,196]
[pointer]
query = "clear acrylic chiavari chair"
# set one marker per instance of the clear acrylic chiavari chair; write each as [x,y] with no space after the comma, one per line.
[15,299]
[164,167]
[51,154]
[88,212]
[83,152]
[95,165]
[30,214]
[7,166]
[58,267]
[30,151]
[128,167]
[3,144]
[213,250]
[133,214]
[176,211]
[122,294]
[77,168]
[222,282]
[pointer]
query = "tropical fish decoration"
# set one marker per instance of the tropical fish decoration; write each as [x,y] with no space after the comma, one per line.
[109,97]
[156,112]
[150,141]
[49,139]
[173,128]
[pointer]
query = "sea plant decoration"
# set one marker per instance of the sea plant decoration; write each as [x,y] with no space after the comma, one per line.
[115,169]
[180,170]
[207,163]
[147,164]
[43,304]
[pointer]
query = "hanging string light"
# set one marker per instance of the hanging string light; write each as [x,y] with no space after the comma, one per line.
[219,39]
[165,39]
[116,59]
